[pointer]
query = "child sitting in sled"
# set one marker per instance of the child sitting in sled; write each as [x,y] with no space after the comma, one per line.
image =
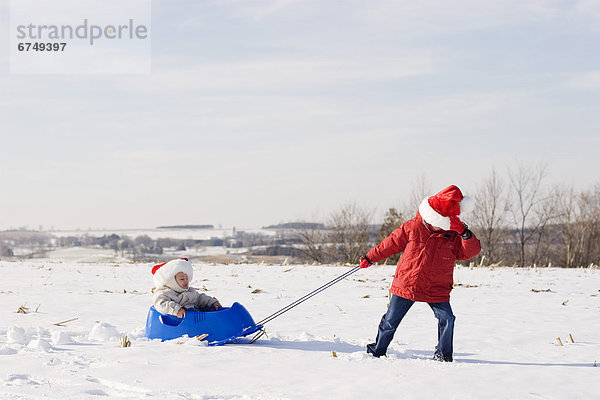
[173,295]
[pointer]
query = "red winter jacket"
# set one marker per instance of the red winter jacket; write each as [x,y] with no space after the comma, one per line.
[426,267]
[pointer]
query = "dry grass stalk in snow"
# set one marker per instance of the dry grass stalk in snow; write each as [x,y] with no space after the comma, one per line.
[62,323]
[125,342]
[560,343]
[22,309]
[541,290]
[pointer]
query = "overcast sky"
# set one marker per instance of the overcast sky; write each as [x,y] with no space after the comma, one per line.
[260,112]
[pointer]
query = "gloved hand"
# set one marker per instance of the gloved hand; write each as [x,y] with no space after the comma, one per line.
[460,227]
[456,225]
[365,262]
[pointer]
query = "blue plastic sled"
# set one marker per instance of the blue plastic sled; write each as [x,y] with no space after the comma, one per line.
[221,326]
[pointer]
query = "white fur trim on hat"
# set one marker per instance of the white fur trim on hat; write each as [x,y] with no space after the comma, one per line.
[164,274]
[432,217]
[467,204]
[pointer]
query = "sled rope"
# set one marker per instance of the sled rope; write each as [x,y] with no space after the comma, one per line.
[307,296]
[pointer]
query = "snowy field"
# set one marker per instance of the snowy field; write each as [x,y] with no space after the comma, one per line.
[508,322]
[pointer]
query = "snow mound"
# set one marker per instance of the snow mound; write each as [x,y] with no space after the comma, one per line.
[104,332]
[138,333]
[40,345]
[16,335]
[59,338]
[7,351]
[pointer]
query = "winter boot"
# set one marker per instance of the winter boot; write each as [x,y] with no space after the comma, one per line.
[440,357]
[371,350]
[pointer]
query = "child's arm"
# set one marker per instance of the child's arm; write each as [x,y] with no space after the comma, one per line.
[468,248]
[205,301]
[393,244]
[165,305]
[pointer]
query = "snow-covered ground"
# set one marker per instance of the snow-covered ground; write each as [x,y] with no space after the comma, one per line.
[508,322]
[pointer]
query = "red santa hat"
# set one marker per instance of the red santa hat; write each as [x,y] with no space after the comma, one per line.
[164,274]
[442,210]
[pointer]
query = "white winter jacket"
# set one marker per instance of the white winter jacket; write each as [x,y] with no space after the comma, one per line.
[168,301]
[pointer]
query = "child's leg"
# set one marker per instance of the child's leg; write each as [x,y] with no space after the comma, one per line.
[397,309]
[444,348]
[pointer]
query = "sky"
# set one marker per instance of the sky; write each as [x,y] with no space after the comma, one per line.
[261,112]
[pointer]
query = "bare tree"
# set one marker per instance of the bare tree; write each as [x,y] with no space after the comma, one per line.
[525,207]
[490,215]
[590,209]
[543,237]
[313,238]
[349,232]
[571,225]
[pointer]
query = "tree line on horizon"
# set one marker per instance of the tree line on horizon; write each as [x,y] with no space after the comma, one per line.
[519,219]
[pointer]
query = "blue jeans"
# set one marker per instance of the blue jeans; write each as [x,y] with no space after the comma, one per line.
[397,309]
